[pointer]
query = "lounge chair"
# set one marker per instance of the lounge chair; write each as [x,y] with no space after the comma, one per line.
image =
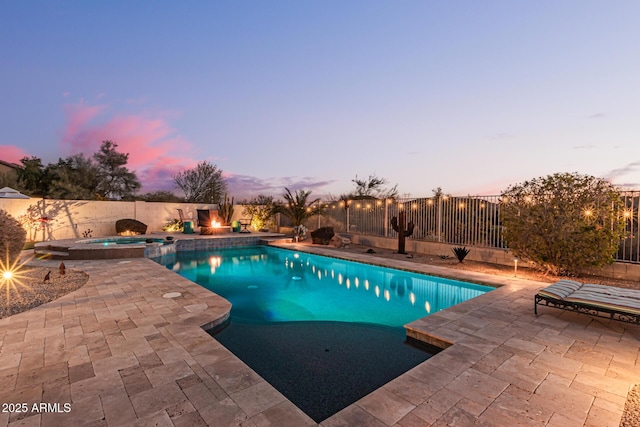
[181,215]
[596,300]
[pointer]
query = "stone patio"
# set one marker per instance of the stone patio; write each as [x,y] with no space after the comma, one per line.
[122,355]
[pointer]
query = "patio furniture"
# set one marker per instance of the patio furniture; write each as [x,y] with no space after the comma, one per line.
[204,217]
[596,300]
[245,223]
[187,223]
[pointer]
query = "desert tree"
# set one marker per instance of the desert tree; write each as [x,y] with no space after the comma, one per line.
[75,178]
[202,184]
[31,176]
[372,187]
[115,181]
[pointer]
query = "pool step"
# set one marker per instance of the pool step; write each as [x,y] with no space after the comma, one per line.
[51,250]
[50,254]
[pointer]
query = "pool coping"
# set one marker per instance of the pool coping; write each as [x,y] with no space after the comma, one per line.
[123,355]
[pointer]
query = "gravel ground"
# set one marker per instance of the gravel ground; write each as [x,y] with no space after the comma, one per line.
[29,290]
[631,414]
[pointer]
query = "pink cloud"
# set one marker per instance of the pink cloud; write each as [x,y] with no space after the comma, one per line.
[78,118]
[155,151]
[12,154]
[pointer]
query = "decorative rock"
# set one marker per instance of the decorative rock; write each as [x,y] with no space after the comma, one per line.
[340,242]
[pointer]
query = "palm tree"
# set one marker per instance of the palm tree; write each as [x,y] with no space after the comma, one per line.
[297,207]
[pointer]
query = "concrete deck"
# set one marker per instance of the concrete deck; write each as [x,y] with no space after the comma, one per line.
[122,355]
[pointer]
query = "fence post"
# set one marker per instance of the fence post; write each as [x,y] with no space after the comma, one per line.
[439,221]
[386,218]
[346,208]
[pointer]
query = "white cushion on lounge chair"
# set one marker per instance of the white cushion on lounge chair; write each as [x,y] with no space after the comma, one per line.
[610,290]
[561,289]
[600,300]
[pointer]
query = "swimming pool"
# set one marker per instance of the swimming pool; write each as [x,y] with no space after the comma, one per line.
[323,331]
[267,285]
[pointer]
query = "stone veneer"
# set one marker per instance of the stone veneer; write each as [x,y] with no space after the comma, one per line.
[217,243]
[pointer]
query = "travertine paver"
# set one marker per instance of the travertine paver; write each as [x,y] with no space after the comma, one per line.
[118,353]
[122,355]
[557,368]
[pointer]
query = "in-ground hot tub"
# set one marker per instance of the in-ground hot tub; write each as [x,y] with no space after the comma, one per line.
[105,248]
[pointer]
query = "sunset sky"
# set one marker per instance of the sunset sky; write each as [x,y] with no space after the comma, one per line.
[470,96]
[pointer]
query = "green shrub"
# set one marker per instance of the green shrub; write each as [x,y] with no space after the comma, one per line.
[175,225]
[563,222]
[12,238]
[261,211]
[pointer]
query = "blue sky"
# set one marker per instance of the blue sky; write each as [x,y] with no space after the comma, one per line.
[468,96]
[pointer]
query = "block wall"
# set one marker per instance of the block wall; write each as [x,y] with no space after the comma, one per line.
[73,219]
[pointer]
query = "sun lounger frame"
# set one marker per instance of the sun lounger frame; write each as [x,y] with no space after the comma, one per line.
[585,309]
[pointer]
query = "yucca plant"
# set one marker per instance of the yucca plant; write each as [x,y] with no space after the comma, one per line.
[461,252]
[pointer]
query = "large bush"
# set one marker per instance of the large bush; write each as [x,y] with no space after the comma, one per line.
[261,209]
[563,222]
[12,238]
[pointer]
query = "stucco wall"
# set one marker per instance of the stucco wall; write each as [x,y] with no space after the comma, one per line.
[69,219]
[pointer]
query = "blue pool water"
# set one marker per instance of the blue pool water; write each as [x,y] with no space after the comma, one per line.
[267,285]
[324,332]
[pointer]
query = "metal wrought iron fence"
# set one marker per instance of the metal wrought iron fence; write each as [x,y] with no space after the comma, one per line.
[466,220]
[629,250]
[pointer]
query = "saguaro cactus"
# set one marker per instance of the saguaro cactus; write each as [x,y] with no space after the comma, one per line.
[398,224]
